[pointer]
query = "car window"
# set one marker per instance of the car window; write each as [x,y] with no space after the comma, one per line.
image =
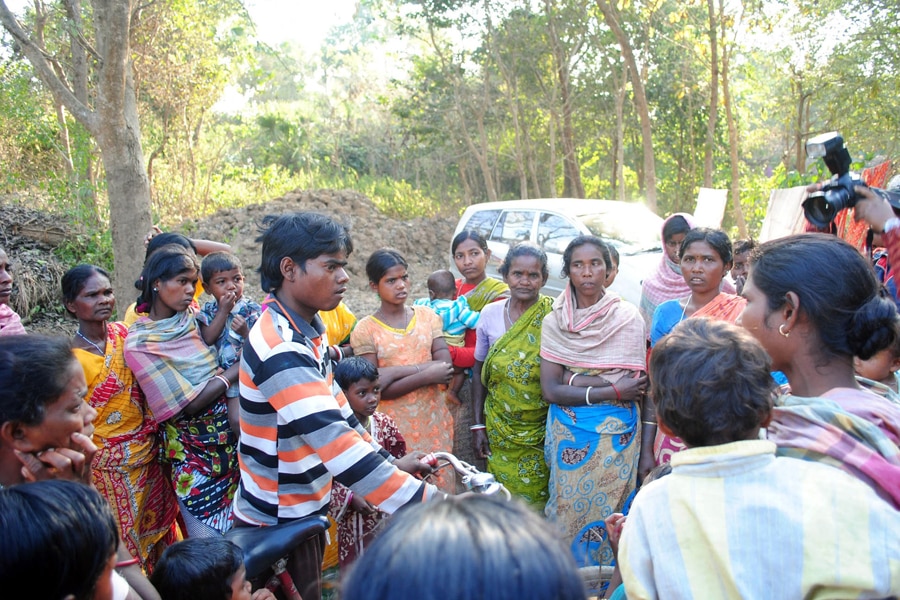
[514,226]
[555,232]
[483,222]
[625,227]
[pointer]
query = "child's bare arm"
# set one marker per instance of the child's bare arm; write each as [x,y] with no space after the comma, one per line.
[211,332]
[205,247]
[215,328]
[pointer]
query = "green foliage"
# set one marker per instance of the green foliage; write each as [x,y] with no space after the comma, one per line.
[471,106]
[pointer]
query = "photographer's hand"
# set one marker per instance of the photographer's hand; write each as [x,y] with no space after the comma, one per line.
[872,208]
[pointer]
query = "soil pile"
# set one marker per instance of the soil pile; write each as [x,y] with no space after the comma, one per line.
[425,243]
[30,236]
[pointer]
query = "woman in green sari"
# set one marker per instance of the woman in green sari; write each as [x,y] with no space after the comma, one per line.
[470,254]
[510,413]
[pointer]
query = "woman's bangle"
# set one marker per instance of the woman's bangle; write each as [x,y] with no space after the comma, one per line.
[649,423]
[477,427]
[572,378]
[339,353]
[127,563]
[616,390]
[587,395]
[224,380]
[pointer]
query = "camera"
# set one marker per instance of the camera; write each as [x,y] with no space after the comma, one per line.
[823,206]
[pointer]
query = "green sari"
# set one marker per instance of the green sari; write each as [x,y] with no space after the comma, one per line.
[486,292]
[514,410]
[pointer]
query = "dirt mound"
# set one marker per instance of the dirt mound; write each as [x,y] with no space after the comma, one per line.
[425,243]
[30,236]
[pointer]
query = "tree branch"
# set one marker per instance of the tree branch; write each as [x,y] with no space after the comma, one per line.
[36,56]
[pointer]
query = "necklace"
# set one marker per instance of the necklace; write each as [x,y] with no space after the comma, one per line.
[84,337]
[384,319]
[509,320]
[686,302]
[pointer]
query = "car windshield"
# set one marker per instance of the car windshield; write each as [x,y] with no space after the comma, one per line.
[631,228]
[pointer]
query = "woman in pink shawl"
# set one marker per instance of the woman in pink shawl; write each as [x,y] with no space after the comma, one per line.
[667,282]
[592,376]
[814,303]
[10,323]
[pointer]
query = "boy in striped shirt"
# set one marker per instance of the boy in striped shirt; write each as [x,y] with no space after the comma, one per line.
[297,428]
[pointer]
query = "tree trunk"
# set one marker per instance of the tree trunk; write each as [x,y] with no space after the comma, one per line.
[619,169]
[572,184]
[732,140]
[610,15]
[510,94]
[709,150]
[113,121]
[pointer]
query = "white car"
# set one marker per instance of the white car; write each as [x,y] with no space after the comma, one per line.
[552,223]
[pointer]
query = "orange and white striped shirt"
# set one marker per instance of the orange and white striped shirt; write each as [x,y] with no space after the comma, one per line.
[298,431]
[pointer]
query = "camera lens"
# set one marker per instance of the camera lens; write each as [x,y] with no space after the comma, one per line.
[818,210]
[822,207]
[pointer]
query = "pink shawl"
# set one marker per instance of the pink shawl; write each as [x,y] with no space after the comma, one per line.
[852,429]
[608,335]
[667,282]
[10,323]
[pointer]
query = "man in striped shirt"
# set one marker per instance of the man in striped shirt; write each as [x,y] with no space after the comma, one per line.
[732,520]
[297,428]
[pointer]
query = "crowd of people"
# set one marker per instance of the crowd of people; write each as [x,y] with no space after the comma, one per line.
[776,412]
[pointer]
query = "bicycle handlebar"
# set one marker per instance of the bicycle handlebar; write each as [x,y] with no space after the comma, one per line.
[475,481]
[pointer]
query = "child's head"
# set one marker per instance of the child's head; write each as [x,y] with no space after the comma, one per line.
[741,265]
[59,541]
[201,569]
[359,380]
[387,272]
[221,272]
[487,547]
[673,232]
[614,270]
[711,383]
[441,285]
[292,239]
[882,365]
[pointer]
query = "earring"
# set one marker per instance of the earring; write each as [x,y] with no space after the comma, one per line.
[155,290]
[781,331]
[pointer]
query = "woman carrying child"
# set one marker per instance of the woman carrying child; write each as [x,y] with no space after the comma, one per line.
[406,344]
[813,322]
[126,468]
[470,253]
[185,392]
[704,258]
[225,322]
[510,412]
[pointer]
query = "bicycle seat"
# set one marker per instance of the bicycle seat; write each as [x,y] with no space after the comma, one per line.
[263,546]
